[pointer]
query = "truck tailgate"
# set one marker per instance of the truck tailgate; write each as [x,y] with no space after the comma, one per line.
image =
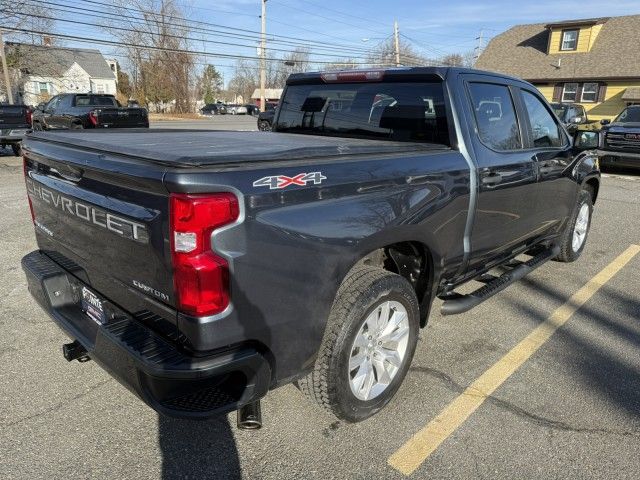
[122,117]
[106,222]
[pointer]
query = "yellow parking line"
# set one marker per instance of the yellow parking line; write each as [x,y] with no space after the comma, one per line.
[418,448]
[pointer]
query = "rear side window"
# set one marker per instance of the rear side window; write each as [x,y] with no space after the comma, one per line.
[544,129]
[95,101]
[495,116]
[405,112]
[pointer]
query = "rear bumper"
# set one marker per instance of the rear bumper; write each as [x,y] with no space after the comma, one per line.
[168,379]
[13,135]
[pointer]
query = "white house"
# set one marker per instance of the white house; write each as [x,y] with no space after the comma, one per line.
[44,71]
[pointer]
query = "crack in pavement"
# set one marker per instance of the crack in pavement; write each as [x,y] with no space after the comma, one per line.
[59,405]
[454,386]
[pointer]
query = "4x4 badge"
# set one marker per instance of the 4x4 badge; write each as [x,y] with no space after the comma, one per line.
[282,181]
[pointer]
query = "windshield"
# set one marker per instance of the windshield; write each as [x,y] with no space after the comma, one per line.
[629,115]
[408,112]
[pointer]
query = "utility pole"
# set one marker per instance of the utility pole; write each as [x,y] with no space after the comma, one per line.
[6,71]
[263,60]
[396,38]
[480,40]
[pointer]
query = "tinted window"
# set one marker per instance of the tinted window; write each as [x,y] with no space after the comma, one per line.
[630,114]
[411,112]
[495,116]
[95,101]
[545,130]
[53,104]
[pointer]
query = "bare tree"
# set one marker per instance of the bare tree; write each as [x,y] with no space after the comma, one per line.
[452,60]
[295,62]
[154,37]
[384,55]
[27,16]
[345,64]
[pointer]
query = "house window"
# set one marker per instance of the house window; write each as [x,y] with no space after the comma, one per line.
[569,40]
[569,92]
[42,87]
[99,88]
[589,92]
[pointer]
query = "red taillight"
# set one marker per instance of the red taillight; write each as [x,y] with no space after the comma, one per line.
[93,117]
[25,170]
[200,277]
[353,76]
[28,116]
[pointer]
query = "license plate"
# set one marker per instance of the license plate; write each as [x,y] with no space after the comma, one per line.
[92,306]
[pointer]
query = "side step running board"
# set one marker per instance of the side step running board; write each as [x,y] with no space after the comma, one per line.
[463,303]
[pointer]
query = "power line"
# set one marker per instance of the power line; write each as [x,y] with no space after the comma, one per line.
[166,49]
[180,37]
[209,24]
[117,18]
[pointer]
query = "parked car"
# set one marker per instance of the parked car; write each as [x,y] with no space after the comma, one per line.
[75,111]
[571,114]
[214,109]
[621,139]
[310,254]
[252,109]
[265,119]
[15,122]
[237,109]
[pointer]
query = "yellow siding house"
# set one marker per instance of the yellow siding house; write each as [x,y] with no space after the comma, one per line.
[594,62]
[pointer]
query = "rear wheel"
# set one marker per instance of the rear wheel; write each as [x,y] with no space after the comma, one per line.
[76,126]
[368,345]
[37,127]
[574,238]
[17,149]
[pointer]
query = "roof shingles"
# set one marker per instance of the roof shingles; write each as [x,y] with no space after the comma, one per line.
[522,52]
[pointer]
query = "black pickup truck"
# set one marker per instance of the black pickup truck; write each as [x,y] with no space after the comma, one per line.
[77,111]
[311,254]
[620,144]
[15,122]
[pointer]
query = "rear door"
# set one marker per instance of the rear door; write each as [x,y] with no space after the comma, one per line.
[504,221]
[552,152]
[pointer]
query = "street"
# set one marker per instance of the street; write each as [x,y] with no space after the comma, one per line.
[570,411]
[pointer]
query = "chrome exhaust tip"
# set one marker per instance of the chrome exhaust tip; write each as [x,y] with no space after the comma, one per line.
[250,416]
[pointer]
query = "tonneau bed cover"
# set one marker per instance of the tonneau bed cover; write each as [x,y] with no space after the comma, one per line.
[194,148]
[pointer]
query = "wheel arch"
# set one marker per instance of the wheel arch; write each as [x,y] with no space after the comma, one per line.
[411,259]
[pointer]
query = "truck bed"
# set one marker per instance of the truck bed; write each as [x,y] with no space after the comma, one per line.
[195,148]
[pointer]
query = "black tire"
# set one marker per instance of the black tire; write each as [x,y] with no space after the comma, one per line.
[37,127]
[76,126]
[264,126]
[360,293]
[567,251]
[17,149]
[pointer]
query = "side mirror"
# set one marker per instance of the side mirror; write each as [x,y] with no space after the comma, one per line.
[605,122]
[586,140]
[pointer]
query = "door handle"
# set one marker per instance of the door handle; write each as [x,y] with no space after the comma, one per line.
[491,178]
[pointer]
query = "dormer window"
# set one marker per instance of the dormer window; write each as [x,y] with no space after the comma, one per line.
[569,40]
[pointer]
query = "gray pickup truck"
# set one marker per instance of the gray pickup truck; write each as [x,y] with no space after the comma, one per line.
[203,269]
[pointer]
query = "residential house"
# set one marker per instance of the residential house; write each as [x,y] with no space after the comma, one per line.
[44,71]
[594,62]
[272,95]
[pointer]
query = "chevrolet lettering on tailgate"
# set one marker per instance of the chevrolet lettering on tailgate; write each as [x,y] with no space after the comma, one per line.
[118,225]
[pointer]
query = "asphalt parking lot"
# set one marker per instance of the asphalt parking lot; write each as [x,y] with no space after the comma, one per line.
[571,410]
